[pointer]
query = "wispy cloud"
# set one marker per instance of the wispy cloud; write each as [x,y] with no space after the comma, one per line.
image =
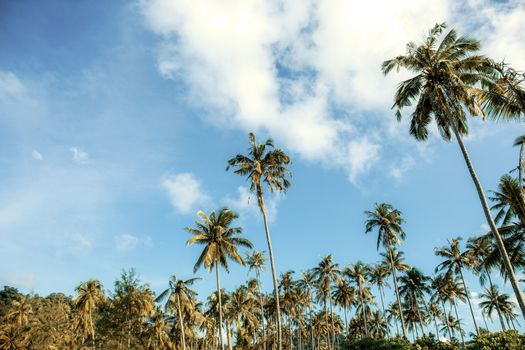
[79,156]
[126,242]
[37,155]
[246,204]
[10,85]
[185,192]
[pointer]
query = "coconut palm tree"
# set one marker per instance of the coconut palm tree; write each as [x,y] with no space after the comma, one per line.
[509,201]
[493,300]
[179,292]
[344,296]
[327,272]
[89,296]
[388,221]
[413,287]
[357,273]
[265,164]
[221,242]
[307,284]
[378,275]
[454,262]
[19,312]
[452,80]
[257,262]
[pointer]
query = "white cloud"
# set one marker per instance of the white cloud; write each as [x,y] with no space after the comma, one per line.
[290,68]
[185,192]
[362,155]
[127,242]
[37,155]
[10,85]
[79,156]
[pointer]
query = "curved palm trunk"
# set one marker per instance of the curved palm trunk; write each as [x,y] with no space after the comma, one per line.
[399,308]
[381,296]
[92,329]
[468,299]
[418,315]
[181,324]
[229,335]
[220,302]
[272,264]
[459,324]
[490,221]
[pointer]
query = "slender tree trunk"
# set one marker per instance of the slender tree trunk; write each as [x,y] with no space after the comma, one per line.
[459,324]
[181,324]
[381,296]
[485,321]
[490,221]
[399,308]
[418,315]
[445,315]
[92,329]
[346,316]
[501,320]
[229,335]
[262,308]
[436,325]
[312,339]
[272,264]
[327,337]
[363,311]
[220,302]
[332,323]
[468,299]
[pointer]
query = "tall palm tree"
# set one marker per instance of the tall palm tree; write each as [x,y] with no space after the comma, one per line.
[509,201]
[221,242]
[89,296]
[452,80]
[388,221]
[257,262]
[326,273]
[344,296]
[179,291]
[413,287]
[265,164]
[378,275]
[307,284]
[493,300]
[357,273]
[454,262]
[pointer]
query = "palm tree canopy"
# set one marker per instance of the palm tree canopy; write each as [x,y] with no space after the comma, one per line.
[387,221]
[450,80]
[263,164]
[220,240]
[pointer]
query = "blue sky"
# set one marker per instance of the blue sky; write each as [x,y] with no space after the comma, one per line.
[117,119]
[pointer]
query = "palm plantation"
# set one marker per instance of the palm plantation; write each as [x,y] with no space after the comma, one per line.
[330,304]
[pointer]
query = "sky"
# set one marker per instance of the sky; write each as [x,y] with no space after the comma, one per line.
[117,120]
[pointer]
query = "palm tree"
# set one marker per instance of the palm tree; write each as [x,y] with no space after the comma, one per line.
[493,300]
[20,311]
[307,284]
[454,262]
[220,243]
[509,201]
[388,221]
[180,291]
[257,261]
[89,295]
[452,80]
[378,275]
[344,296]
[357,272]
[413,287]
[326,273]
[263,165]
